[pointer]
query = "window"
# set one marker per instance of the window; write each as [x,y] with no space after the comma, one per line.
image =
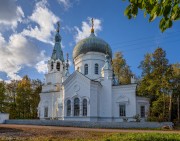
[96,69]
[142,111]
[78,69]
[68,108]
[85,69]
[85,107]
[76,107]
[52,65]
[45,111]
[58,66]
[122,110]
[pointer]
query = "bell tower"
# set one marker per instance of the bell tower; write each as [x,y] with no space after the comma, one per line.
[56,65]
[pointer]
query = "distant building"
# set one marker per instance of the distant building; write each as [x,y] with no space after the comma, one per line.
[91,92]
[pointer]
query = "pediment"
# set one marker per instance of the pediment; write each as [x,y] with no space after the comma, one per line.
[75,77]
[122,99]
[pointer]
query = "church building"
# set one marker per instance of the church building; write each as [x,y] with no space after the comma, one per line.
[91,92]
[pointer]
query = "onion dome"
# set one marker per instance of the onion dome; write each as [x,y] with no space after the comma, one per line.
[92,44]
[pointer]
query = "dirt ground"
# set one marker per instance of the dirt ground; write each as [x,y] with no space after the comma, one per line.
[32,132]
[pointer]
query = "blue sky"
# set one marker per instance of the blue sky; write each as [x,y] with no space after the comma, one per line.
[27,29]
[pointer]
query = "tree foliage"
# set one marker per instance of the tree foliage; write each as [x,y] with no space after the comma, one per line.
[2,97]
[20,98]
[121,69]
[167,10]
[159,78]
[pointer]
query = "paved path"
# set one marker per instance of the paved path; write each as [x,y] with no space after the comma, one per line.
[57,128]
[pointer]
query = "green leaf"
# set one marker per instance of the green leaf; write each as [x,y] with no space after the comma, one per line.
[127,11]
[169,23]
[153,17]
[134,10]
[166,11]
[162,24]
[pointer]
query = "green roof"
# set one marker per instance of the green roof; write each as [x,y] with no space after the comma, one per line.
[92,44]
[57,51]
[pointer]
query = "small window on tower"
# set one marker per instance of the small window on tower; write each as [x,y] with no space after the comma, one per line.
[78,69]
[58,66]
[52,65]
[96,69]
[85,69]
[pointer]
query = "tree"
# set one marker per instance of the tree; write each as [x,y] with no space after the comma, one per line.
[11,92]
[2,97]
[176,91]
[156,83]
[167,10]
[36,86]
[20,98]
[23,98]
[121,69]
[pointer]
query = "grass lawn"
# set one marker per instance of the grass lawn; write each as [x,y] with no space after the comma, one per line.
[99,136]
[143,137]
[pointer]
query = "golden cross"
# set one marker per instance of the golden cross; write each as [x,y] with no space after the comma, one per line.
[92,29]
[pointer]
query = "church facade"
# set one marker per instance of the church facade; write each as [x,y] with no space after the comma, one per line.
[91,92]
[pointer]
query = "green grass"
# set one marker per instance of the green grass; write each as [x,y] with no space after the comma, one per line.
[99,136]
[143,137]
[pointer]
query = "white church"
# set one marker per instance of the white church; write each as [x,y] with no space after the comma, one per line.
[91,92]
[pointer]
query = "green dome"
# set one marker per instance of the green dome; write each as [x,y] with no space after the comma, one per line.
[91,44]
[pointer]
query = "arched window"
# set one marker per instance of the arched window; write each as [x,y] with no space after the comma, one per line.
[76,107]
[68,108]
[84,107]
[96,69]
[58,66]
[85,69]
[52,65]
[78,69]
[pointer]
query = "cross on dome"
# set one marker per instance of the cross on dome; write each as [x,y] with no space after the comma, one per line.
[58,26]
[92,26]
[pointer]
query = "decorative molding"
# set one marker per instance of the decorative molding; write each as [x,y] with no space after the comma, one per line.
[76,87]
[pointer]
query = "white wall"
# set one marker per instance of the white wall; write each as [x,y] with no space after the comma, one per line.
[77,87]
[142,101]
[49,100]
[3,117]
[124,94]
[94,99]
[90,58]
[106,99]
[54,77]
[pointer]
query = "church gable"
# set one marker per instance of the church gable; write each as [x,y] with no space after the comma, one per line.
[74,77]
[76,85]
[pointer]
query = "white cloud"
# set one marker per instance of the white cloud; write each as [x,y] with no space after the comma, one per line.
[17,53]
[41,66]
[45,20]
[86,28]
[10,14]
[66,3]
